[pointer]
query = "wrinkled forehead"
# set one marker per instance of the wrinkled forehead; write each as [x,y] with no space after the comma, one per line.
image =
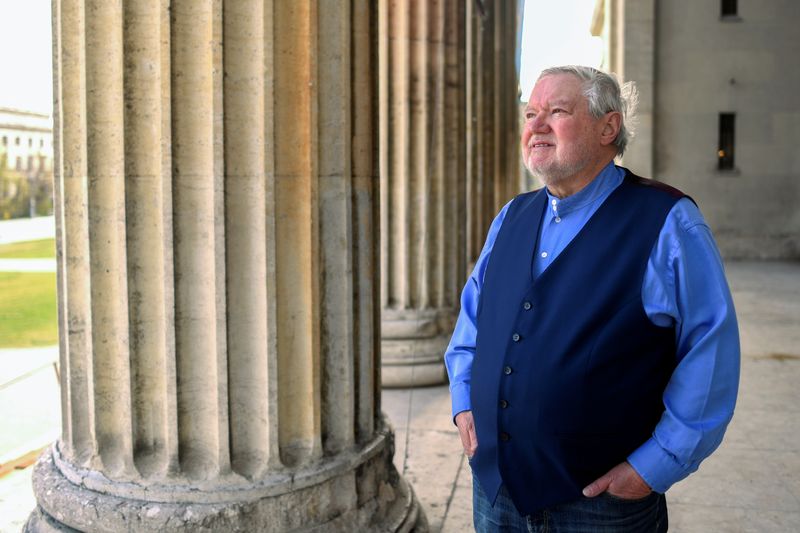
[557,89]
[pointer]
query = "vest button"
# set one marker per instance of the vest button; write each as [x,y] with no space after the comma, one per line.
[505,437]
[526,306]
[503,404]
[515,337]
[507,370]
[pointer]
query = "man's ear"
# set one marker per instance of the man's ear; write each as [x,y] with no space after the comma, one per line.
[611,124]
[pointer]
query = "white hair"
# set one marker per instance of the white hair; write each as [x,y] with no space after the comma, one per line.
[604,94]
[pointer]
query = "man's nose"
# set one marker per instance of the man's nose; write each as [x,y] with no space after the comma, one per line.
[539,124]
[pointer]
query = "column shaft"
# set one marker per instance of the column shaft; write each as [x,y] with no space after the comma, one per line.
[78,395]
[250,331]
[297,206]
[493,173]
[194,226]
[148,214]
[218,294]
[107,251]
[365,220]
[422,132]
[334,134]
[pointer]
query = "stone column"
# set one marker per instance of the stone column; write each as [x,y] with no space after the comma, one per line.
[630,31]
[217,205]
[423,164]
[492,137]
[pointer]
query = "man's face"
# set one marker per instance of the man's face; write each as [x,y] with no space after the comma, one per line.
[560,140]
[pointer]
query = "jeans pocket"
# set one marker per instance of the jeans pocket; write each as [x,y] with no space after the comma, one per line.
[616,498]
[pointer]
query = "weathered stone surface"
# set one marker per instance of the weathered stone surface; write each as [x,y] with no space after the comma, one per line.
[448,159]
[365,496]
[493,172]
[691,63]
[422,161]
[216,200]
[412,345]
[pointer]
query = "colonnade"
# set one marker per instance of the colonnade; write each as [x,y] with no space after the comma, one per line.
[218,227]
[448,162]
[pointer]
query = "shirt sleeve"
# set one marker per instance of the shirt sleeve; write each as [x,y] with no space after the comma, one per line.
[461,350]
[685,285]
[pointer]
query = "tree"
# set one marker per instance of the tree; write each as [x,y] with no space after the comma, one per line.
[17,189]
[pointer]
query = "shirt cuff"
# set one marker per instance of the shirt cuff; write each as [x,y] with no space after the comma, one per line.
[659,468]
[459,396]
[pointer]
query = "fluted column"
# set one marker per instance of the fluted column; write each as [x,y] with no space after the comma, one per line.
[492,138]
[423,158]
[218,304]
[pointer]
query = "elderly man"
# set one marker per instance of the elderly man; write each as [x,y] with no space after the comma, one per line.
[595,361]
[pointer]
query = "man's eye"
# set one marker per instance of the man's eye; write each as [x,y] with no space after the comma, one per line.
[530,115]
[558,110]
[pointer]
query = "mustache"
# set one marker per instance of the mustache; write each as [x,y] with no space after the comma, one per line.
[533,142]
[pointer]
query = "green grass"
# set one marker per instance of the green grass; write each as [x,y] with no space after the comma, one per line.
[28,309]
[44,248]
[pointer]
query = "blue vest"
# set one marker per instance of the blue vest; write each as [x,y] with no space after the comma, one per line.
[568,372]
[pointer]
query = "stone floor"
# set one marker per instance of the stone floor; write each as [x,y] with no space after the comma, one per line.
[751,484]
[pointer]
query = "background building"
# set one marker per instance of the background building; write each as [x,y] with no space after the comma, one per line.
[26,140]
[26,163]
[718,115]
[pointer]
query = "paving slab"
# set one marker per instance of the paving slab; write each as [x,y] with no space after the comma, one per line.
[27,229]
[30,413]
[16,500]
[27,265]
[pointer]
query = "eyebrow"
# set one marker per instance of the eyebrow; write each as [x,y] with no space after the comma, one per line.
[563,102]
[560,102]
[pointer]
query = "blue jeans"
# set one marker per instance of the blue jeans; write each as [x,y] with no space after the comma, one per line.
[602,514]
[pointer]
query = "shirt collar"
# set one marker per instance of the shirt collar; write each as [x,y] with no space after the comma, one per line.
[606,181]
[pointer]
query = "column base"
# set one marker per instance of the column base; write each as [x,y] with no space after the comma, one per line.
[413,345]
[356,491]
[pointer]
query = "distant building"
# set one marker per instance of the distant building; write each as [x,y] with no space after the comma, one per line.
[26,142]
[26,163]
[719,115]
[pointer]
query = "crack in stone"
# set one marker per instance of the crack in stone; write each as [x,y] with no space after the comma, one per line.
[453,490]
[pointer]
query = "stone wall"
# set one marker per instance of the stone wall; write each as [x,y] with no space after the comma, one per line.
[691,64]
[706,65]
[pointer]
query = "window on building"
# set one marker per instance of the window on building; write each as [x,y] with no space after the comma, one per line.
[727,131]
[729,8]
[19,163]
[5,140]
[41,143]
[16,141]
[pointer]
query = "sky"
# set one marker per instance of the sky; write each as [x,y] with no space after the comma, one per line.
[26,63]
[554,32]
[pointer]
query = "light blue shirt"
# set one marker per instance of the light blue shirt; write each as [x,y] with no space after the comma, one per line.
[684,285]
